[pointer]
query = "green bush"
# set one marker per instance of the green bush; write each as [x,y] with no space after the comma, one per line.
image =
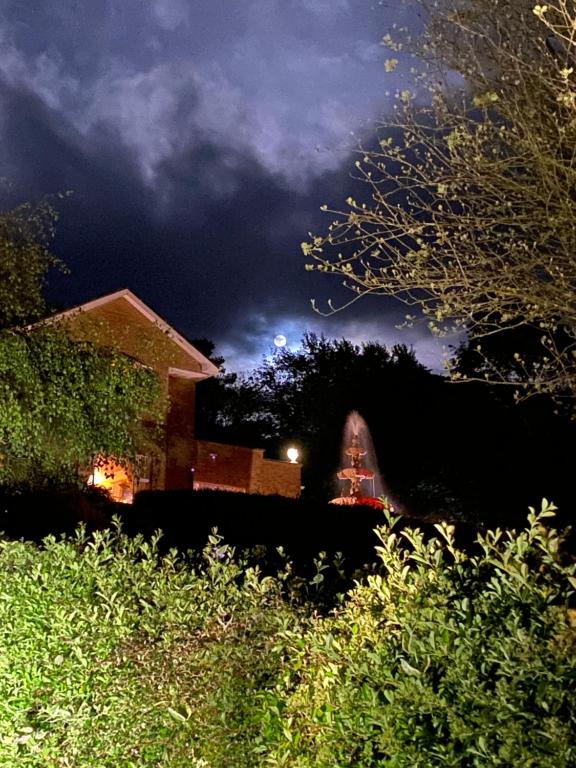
[112,656]
[445,659]
[115,657]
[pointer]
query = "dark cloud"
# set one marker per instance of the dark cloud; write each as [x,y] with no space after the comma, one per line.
[199,139]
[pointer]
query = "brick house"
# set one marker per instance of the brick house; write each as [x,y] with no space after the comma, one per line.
[181,462]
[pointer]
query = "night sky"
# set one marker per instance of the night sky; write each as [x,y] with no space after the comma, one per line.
[199,138]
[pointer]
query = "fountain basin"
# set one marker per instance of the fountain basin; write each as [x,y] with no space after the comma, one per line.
[352,501]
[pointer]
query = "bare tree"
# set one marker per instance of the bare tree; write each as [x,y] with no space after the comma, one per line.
[470,215]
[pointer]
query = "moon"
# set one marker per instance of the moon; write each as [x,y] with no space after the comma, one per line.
[280,340]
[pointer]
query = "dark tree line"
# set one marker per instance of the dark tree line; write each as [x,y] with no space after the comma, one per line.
[444,449]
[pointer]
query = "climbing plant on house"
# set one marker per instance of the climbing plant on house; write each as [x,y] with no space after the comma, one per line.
[62,401]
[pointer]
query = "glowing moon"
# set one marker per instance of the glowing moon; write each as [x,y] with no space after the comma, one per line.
[280,340]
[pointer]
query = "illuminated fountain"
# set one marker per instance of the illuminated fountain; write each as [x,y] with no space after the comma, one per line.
[357,449]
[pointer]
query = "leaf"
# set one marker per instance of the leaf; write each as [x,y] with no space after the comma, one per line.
[408,669]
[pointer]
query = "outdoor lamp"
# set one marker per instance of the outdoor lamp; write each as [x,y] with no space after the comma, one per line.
[293,454]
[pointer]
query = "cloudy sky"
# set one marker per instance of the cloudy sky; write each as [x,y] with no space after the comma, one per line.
[199,138]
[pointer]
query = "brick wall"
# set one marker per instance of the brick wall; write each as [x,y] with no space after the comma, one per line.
[278,477]
[233,467]
[228,466]
[183,460]
[180,445]
[119,323]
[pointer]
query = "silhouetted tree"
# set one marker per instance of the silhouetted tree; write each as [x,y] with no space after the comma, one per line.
[469,213]
[228,407]
[443,450]
[26,232]
[302,397]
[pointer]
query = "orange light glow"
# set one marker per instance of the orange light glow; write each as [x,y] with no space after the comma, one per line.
[115,479]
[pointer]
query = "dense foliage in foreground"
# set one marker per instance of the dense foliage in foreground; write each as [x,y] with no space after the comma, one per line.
[114,656]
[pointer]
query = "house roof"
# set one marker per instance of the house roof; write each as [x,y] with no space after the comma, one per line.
[207,367]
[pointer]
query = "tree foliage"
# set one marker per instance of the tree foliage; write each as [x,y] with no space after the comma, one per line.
[442,451]
[469,215]
[62,401]
[25,258]
[303,397]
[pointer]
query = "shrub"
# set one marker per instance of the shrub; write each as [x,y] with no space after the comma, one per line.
[447,659]
[115,656]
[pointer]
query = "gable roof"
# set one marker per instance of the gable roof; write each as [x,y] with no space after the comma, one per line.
[208,368]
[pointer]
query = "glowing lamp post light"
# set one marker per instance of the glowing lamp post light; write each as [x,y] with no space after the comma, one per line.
[293,455]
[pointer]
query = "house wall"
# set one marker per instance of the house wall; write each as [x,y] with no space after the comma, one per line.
[233,467]
[180,445]
[119,322]
[227,466]
[278,477]
[182,460]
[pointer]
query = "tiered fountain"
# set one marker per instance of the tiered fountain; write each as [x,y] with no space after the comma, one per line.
[356,449]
